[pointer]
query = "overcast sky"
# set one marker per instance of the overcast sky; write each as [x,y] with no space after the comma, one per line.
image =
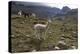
[57,3]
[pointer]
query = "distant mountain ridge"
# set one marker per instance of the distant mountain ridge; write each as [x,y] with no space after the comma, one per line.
[41,11]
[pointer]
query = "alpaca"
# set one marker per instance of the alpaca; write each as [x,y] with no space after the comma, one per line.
[40,30]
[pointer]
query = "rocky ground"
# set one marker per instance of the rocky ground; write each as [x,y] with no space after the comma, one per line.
[61,35]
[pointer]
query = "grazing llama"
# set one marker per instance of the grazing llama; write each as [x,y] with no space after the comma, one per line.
[20,13]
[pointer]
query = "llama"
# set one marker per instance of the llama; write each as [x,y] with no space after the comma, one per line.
[20,13]
[28,14]
[40,30]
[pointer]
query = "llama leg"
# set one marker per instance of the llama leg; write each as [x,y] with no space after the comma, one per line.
[35,33]
[44,35]
[39,34]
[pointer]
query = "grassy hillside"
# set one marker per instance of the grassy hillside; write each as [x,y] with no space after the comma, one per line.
[23,38]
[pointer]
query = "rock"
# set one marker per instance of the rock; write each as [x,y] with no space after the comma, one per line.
[74,32]
[62,45]
[62,38]
[12,36]
[62,42]
[22,22]
[34,50]
[56,47]
[27,35]
[62,35]
[50,32]
[51,46]
[73,47]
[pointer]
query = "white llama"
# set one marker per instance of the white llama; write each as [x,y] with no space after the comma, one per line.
[20,13]
[40,30]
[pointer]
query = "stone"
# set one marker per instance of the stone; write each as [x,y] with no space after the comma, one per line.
[13,36]
[62,42]
[62,38]
[50,32]
[33,50]
[73,47]
[28,35]
[62,35]
[56,47]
